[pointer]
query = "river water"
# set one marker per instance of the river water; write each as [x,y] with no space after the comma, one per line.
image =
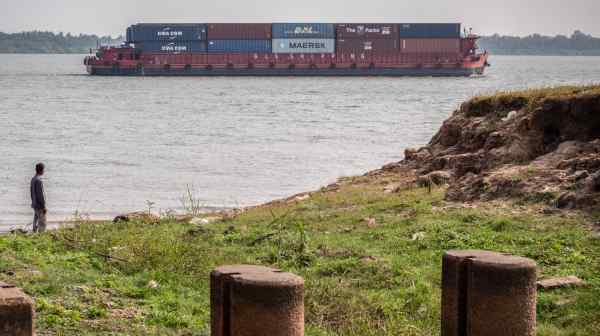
[113,144]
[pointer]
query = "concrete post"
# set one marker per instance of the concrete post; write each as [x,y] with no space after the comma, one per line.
[502,295]
[17,312]
[454,290]
[488,293]
[256,301]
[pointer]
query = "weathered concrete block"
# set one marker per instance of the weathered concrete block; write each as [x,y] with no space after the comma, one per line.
[454,290]
[488,293]
[17,312]
[501,296]
[256,301]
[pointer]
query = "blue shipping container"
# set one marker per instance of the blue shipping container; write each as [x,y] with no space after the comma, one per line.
[239,46]
[168,47]
[142,32]
[430,30]
[303,30]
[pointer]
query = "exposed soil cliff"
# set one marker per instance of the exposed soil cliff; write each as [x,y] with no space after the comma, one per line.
[540,145]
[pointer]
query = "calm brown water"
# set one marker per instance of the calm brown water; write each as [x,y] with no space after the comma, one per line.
[111,144]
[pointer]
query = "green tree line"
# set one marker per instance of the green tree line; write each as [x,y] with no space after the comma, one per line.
[40,42]
[577,44]
[59,43]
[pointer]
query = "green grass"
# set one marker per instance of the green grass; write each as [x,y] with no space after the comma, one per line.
[79,291]
[529,99]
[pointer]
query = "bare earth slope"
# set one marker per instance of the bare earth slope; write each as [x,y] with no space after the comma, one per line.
[541,145]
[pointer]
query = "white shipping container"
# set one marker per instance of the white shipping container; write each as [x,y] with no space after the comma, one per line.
[303,46]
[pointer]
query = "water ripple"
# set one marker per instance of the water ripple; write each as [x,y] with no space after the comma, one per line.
[110,144]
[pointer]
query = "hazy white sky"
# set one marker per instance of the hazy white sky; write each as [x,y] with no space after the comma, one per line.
[514,17]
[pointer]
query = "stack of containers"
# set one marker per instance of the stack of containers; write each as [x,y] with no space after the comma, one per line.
[168,38]
[299,43]
[239,38]
[430,38]
[303,38]
[362,41]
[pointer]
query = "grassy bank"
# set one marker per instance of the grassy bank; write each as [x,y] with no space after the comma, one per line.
[377,277]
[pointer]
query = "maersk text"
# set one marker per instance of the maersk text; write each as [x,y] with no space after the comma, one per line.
[307,45]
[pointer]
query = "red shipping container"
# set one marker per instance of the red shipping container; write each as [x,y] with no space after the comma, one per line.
[299,59]
[238,59]
[217,60]
[366,45]
[387,58]
[198,58]
[174,59]
[164,59]
[430,45]
[261,59]
[367,30]
[239,31]
[320,58]
[354,58]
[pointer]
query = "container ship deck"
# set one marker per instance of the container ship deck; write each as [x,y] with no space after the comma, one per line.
[292,49]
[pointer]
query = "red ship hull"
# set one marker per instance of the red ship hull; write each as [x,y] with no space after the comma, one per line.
[291,65]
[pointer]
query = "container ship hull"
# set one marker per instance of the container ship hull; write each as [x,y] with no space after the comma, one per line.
[287,72]
[288,49]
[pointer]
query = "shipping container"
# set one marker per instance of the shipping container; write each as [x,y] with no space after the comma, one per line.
[430,45]
[171,59]
[303,30]
[296,59]
[263,60]
[367,30]
[143,32]
[303,45]
[354,58]
[238,60]
[172,47]
[217,60]
[239,46]
[416,58]
[320,59]
[429,30]
[239,31]
[366,45]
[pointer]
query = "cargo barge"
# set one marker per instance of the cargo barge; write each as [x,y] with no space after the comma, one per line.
[292,49]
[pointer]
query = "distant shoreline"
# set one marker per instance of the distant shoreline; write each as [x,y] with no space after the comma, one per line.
[42,42]
[567,54]
[492,52]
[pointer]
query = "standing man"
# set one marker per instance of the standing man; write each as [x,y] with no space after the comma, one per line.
[38,200]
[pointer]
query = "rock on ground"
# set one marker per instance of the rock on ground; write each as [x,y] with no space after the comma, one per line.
[554,283]
[137,216]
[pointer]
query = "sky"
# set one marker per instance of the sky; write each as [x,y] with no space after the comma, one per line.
[111,17]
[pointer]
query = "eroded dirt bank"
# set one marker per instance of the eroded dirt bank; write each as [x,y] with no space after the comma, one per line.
[540,145]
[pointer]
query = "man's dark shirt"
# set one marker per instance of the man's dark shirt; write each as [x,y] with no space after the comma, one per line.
[38,201]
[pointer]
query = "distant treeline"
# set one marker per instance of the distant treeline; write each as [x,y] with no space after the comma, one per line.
[59,43]
[576,44]
[38,42]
